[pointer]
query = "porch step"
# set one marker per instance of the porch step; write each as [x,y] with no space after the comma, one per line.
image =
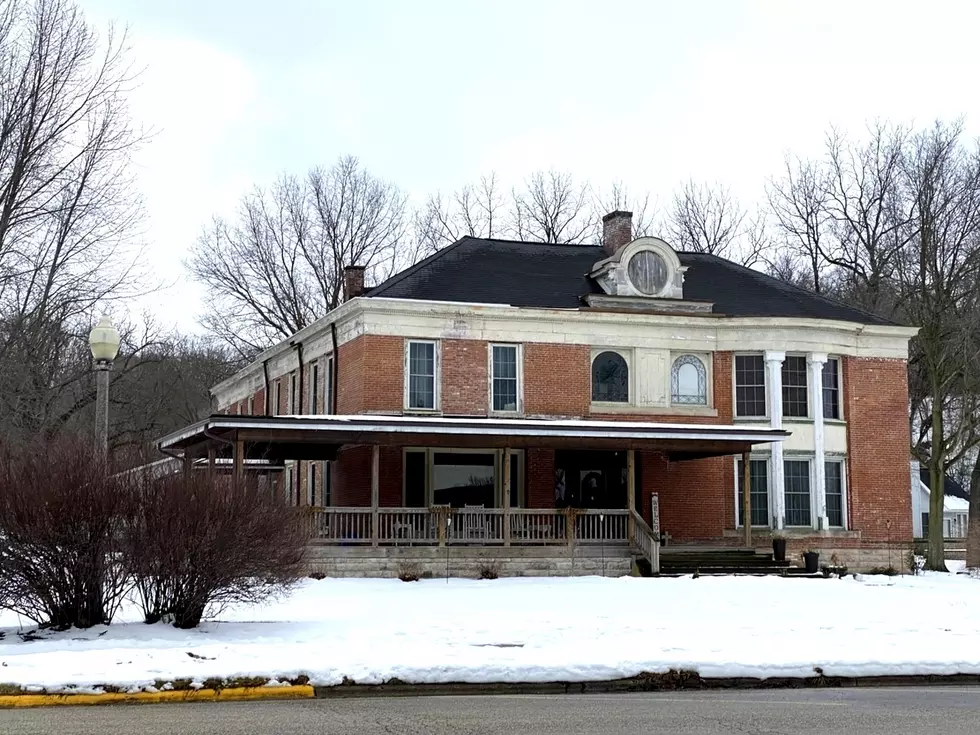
[719,561]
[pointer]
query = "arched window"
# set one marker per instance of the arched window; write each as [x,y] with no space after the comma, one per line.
[689,381]
[610,378]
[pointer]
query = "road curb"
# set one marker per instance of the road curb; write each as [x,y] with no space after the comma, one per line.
[671,681]
[231,694]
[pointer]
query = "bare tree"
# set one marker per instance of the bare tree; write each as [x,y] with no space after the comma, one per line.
[707,219]
[939,270]
[798,202]
[551,208]
[68,214]
[279,265]
[619,197]
[476,210]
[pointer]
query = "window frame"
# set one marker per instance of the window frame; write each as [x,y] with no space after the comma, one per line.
[627,355]
[311,477]
[765,387]
[519,378]
[677,357]
[278,397]
[293,388]
[436,376]
[838,388]
[516,456]
[313,390]
[767,460]
[328,379]
[805,387]
[251,405]
[809,461]
[842,461]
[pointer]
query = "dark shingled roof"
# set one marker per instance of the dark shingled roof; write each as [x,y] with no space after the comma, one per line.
[556,276]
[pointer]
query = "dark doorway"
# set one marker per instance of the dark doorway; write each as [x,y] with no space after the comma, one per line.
[590,479]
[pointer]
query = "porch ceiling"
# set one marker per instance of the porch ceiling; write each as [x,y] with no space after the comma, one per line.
[319,437]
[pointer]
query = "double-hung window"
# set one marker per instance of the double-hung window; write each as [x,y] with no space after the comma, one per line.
[328,407]
[795,403]
[758,491]
[834,483]
[504,378]
[797,479]
[750,385]
[831,389]
[421,369]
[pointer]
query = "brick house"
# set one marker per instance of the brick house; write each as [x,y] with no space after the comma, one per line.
[529,402]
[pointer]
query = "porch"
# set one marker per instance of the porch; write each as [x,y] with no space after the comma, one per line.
[469,501]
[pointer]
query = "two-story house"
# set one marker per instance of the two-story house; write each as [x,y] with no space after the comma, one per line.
[544,405]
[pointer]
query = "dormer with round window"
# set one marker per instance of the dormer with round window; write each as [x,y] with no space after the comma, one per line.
[646,268]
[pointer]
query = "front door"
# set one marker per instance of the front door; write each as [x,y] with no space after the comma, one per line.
[590,479]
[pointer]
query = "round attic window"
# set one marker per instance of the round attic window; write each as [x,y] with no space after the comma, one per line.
[647,271]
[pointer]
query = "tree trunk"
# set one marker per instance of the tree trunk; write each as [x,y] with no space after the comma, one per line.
[973,530]
[936,551]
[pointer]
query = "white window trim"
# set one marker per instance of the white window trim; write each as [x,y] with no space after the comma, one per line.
[627,354]
[811,473]
[251,404]
[517,455]
[519,357]
[328,389]
[313,389]
[765,384]
[753,458]
[840,391]
[292,388]
[277,397]
[842,461]
[437,377]
[707,364]
[808,388]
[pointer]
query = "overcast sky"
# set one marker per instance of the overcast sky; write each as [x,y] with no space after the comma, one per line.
[432,94]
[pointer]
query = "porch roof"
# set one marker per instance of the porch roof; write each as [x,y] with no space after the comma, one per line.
[278,438]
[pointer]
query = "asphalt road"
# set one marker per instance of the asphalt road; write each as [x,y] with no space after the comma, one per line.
[905,711]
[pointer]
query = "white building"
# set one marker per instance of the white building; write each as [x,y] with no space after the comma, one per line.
[956,506]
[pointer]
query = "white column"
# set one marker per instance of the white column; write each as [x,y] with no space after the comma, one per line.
[815,362]
[774,385]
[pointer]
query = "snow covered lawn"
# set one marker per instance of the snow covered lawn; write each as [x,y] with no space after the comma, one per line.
[527,630]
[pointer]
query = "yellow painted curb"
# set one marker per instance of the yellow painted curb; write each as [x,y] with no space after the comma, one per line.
[232,694]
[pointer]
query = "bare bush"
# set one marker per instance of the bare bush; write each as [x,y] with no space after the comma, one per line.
[197,543]
[489,570]
[61,515]
[409,571]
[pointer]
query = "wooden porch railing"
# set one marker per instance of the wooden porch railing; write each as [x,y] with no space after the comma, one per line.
[474,526]
[645,540]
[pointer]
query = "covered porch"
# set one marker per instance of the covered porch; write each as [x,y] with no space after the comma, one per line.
[464,479]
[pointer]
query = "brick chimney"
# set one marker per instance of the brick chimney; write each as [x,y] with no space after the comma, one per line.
[617,230]
[353,281]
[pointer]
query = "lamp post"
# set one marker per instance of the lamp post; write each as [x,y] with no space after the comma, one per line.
[103,340]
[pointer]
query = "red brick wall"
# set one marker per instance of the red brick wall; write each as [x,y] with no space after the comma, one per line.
[876,410]
[370,375]
[352,477]
[696,497]
[557,380]
[539,478]
[464,377]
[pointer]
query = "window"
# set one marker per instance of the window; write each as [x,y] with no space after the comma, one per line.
[311,483]
[834,483]
[293,397]
[794,387]
[503,377]
[797,492]
[328,387]
[326,492]
[314,387]
[422,375]
[277,407]
[750,385]
[758,490]
[647,272]
[925,524]
[251,405]
[831,389]
[460,477]
[610,378]
[688,381]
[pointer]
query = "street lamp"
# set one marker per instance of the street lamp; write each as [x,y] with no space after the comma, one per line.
[103,340]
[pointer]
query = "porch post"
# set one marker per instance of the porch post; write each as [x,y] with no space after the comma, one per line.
[747,498]
[505,490]
[239,460]
[630,491]
[375,493]
[188,463]
[211,456]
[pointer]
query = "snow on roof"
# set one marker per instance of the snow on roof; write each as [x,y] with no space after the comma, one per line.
[951,503]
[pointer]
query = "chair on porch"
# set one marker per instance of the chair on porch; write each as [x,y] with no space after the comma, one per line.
[474,522]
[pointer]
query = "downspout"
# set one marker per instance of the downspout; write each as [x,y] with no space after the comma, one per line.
[265,374]
[336,363]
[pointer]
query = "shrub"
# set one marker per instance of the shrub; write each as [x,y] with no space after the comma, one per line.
[489,570]
[318,575]
[197,543]
[409,571]
[62,513]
